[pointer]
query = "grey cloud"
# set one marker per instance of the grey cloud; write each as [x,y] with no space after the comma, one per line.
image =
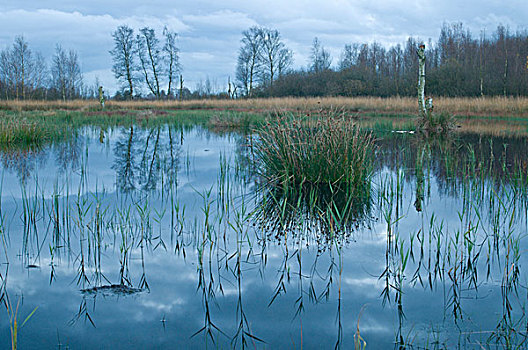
[210,32]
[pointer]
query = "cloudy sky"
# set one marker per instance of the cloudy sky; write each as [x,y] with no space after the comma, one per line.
[210,31]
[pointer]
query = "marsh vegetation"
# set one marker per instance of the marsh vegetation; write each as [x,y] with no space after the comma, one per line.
[227,229]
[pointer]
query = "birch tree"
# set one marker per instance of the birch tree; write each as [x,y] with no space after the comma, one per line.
[421,80]
[249,59]
[22,72]
[151,59]
[275,57]
[124,55]
[66,73]
[172,59]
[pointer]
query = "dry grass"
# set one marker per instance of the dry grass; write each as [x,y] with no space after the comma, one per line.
[488,115]
[466,107]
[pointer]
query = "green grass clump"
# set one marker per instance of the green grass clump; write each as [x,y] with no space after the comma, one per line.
[329,151]
[234,120]
[21,131]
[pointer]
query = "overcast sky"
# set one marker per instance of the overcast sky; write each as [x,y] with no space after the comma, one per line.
[210,31]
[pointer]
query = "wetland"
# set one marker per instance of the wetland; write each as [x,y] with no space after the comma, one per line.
[170,234]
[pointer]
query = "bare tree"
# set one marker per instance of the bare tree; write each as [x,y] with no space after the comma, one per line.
[22,73]
[74,75]
[285,61]
[6,73]
[40,78]
[58,71]
[394,58]
[320,58]
[150,58]
[349,56]
[22,64]
[124,56]
[249,59]
[244,76]
[66,73]
[274,56]
[172,58]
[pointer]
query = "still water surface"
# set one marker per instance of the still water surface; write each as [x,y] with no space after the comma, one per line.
[148,238]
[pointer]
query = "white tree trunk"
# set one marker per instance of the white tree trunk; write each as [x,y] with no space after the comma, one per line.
[421,80]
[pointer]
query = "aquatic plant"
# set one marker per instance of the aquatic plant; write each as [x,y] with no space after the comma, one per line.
[315,172]
[21,131]
[436,123]
[328,151]
[14,323]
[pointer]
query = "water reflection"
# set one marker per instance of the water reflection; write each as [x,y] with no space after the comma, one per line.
[181,245]
[144,157]
[315,211]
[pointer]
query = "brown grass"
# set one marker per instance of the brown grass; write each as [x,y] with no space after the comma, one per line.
[465,107]
[487,115]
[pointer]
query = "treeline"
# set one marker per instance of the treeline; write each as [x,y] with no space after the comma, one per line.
[140,62]
[24,74]
[458,64]
[147,65]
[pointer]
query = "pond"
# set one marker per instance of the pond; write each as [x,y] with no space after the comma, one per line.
[164,237]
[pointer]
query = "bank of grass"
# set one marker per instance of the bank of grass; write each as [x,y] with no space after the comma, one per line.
[36,122]
[219,119]
[38,127]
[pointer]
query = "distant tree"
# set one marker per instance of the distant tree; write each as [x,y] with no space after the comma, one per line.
[124,55]
[66,73]
[172,59]
[284,62]
[349,56]
[394,62]
[320,59]
[243,74]
[22,72]
[275,57]
[74,74]
[150,57]
[6,73]
[22,63]
[40,77]
[249,59]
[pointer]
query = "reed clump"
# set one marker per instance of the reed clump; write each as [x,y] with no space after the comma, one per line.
[436,123]
[329,151]
[21,131]
[233,120]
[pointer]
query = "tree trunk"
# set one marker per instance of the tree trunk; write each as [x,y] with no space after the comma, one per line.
[181,87]
[421,80]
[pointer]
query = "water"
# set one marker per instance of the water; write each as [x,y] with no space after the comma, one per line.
[148,238]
